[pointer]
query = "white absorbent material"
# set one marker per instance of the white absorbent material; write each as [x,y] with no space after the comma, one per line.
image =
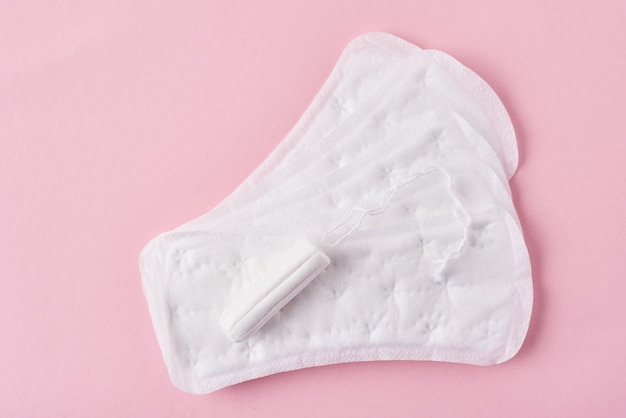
[381,228]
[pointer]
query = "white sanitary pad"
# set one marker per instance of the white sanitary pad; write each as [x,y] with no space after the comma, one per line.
[382,227]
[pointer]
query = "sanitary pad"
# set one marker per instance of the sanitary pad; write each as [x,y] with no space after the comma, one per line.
[381,228]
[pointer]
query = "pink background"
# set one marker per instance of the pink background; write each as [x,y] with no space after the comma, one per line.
[121,119]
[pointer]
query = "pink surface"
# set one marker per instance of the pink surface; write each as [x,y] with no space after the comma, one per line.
[122,119]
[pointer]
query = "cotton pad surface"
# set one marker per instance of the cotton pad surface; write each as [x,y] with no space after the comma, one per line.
[381,228]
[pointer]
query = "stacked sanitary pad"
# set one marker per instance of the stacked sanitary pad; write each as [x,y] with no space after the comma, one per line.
[382,227]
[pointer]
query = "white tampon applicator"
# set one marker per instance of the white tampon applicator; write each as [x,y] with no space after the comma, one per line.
[249,312]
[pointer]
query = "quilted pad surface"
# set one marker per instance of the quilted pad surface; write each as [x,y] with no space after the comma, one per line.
[398,172]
